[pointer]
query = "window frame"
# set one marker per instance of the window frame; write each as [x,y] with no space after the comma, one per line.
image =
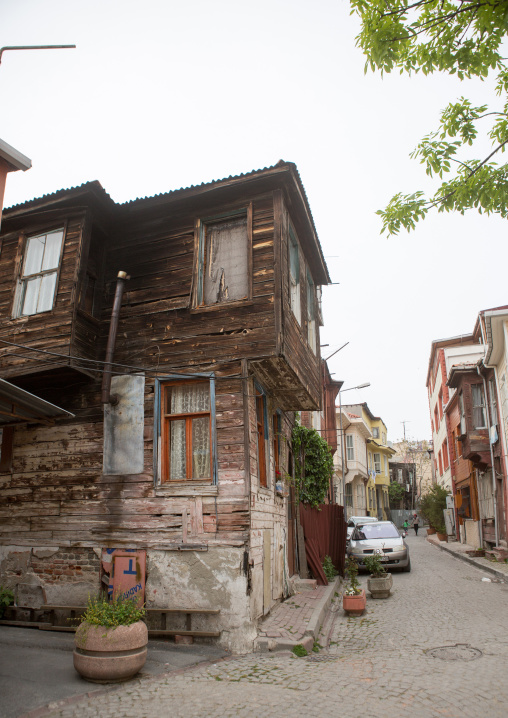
[198,284]
[478,387]
[21,281]
[160,459]
[375,432]
[311,313]
[295,291]
[377,462]
[350,448]
[262,437]
[276,441]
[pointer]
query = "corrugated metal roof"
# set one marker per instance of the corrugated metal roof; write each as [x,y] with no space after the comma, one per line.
[20,406]
[93,185]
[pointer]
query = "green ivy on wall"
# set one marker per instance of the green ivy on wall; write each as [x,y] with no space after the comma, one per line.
[313,465]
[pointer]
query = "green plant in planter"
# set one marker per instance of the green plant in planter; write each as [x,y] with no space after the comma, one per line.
[329,569]
[6,599]
[117,612]
[374,566]
[352,587]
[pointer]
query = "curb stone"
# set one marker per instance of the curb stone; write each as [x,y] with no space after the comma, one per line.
[263,644]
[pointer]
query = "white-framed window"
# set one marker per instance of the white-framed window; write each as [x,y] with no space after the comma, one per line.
[386,465]
[36,288]
[375,432]
[294,275]
[311,313]
[478,406]
[223,263]
[377,463]
[350,447]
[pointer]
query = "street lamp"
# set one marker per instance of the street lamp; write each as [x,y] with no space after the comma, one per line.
[343,480]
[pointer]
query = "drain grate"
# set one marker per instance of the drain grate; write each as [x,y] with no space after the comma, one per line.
[458,652]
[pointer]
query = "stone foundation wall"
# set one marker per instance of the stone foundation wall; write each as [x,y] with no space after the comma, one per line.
[50,574]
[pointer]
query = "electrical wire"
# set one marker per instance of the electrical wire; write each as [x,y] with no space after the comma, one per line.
[84,362]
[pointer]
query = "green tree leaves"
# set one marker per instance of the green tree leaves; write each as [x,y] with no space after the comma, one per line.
[462,38]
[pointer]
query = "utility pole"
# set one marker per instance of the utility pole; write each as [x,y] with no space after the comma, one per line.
[404,425]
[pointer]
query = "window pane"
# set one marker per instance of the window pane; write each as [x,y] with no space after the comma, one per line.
[177,469]
[189,398]
[31,294]
[226,265]
[46,292]
[201,448]
[34,254]
[52,253]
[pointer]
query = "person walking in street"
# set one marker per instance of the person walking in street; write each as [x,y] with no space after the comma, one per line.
[416,524]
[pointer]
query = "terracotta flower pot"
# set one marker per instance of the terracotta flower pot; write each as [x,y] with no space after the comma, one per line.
[380,586]
[110,655]
[354,605]
[442,537]
[430,531]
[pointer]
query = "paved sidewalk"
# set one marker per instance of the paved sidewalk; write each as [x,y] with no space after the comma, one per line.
[298,619]
[457,549]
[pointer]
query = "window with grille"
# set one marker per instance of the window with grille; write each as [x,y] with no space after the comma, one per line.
[349,495]
[36,288]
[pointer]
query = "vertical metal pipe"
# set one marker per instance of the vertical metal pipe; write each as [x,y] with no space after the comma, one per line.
[106,398]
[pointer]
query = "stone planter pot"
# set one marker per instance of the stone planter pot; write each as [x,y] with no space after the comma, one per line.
[110,655]
[431,531]
[442,537]
[354,605]
[380,587]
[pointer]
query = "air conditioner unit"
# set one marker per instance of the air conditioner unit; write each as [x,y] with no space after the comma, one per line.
[462,425]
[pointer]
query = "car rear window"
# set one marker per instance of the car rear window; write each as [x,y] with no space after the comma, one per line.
[375,531]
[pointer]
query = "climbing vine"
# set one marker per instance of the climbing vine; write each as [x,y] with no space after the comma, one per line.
[313,465]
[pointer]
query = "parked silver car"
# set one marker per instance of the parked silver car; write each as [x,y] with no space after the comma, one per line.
[383,538]
[353,520]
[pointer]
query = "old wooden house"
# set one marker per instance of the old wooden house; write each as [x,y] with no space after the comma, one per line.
[153,354]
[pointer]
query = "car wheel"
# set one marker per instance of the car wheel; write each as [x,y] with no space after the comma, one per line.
[407,568]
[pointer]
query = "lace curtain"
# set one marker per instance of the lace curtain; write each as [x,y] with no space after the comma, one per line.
[188,399]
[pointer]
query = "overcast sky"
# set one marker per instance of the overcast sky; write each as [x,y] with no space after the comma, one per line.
[167,93]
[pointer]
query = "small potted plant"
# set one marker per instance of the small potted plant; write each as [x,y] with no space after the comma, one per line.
[353,598]
[111,642]
[380,581]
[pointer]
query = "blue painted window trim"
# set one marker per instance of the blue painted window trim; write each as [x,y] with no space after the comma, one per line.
[157,480]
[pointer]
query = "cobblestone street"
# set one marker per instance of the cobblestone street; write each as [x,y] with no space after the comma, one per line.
[377,665]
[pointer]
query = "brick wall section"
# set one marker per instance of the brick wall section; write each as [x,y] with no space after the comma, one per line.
[67,566]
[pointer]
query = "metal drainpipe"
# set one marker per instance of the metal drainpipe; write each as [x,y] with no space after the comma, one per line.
[494,488]
[107,398]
